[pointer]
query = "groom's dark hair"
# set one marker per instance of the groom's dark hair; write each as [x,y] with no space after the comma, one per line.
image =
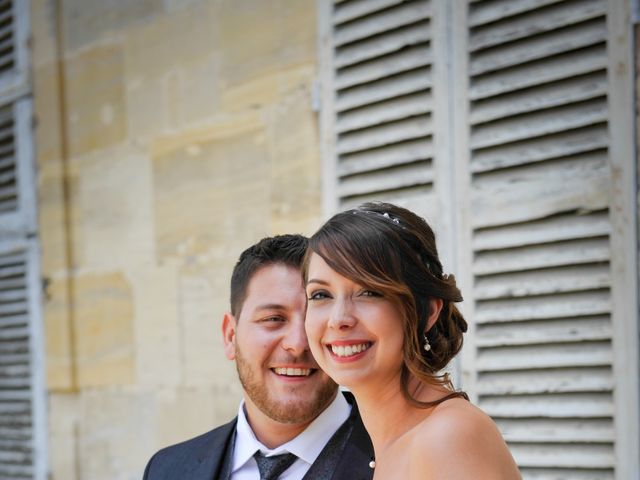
[288,250]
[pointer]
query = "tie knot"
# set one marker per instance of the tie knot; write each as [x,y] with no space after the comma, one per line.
[271,467]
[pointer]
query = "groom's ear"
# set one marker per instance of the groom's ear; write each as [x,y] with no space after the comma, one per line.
[229,335]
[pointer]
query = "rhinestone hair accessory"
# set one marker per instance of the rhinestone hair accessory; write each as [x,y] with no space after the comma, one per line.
[384,215]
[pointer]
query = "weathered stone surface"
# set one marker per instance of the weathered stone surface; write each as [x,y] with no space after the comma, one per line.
[114,210]
[114,433]
[94,88]
[251,46]
[64,417]
[89,20]
[52,219]
[103,316]
[171,41]
[59,341]
[158,328]
[185,132]
[211,193]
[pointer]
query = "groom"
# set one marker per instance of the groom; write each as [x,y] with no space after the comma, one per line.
[292,423]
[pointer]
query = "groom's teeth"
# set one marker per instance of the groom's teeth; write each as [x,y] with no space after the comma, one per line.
[349,350]
[293,372]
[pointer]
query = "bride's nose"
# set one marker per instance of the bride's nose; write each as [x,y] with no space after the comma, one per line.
[342,315]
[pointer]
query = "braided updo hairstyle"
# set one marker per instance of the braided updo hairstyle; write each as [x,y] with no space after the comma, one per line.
[392,250]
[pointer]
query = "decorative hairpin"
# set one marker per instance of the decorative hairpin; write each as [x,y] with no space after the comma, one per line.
[380,214]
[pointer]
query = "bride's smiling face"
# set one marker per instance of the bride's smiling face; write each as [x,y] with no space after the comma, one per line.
[355,334]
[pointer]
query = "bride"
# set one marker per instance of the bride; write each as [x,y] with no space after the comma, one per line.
[381,321]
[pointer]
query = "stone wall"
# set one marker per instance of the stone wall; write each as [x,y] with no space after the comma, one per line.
[170,135]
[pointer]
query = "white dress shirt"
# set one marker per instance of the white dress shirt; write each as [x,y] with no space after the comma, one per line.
[306,446]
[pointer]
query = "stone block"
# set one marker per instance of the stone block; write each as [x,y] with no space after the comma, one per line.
[64,417]
[96,112]
[115,210]
[59,339]
[158,331]
[146,108]
[295,175]
[282,34]
[211,193]
[42,20]
[115,432]
[171,41]
[103,316]
[192,92]
[48,131]
[89,21]
[52,220]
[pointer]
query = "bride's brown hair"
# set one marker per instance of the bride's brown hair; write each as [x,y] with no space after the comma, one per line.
[392,250]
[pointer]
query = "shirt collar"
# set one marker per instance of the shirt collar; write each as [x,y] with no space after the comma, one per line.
[306,446]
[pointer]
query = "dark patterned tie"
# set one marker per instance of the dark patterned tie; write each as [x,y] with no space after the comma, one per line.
[271,467]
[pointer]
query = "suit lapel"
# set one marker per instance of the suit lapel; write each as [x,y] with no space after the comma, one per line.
[210,455]
[358,451]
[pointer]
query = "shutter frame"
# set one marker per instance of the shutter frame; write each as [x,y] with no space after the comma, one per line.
[624,238]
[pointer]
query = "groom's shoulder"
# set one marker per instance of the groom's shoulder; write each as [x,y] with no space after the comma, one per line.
[189,450]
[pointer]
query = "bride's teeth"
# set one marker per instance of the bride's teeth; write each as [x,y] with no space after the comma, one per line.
[349,350]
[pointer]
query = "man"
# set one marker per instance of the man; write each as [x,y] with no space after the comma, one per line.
[289,405]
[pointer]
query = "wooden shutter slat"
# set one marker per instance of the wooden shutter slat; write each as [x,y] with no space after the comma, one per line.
[382,45]
[420,195]
[384,157]
[347,11]
[543,282]
[12,308]
[548,96]
[560,227]
[413,81]
[570,186]
[540,123]
[532,257]
[14,333]
[558,430]
[544,356]
[542,71]
[539,21]
[407,59]
[534,48]
[573,304]
[558,380]
[13,320]
[12,270]
[540,149]
[383,112]
[569,456]
[375,24]
[403,176]
[575,329]
[487,12]
[384,135]
[577,405]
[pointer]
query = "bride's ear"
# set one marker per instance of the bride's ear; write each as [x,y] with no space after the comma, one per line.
[435,307]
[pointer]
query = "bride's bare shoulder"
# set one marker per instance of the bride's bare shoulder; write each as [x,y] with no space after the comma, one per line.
[458,440]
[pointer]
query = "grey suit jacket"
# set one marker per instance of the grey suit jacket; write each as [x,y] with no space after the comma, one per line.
[201,457]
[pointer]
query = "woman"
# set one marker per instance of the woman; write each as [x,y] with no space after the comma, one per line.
[381,321]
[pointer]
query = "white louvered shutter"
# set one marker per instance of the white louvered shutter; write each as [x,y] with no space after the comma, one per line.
[525,135]
[22,391]
[378,102]
[540,182]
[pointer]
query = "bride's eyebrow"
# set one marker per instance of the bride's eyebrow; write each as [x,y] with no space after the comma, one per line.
[317,280]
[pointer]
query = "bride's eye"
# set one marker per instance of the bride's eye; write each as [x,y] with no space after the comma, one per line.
[318,295]
[371,293]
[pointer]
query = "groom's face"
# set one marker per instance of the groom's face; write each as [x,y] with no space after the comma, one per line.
[279,375]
